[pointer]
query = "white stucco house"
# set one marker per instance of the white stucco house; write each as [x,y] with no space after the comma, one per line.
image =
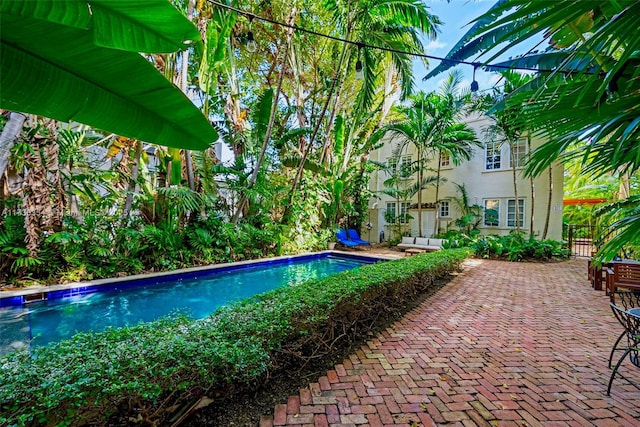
[488,180]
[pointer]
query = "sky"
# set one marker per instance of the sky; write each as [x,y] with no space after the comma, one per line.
[456,17]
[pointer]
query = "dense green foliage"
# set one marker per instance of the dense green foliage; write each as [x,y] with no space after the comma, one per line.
[146,370]
[96,249]
[297,123]
[583,98]
[515,247]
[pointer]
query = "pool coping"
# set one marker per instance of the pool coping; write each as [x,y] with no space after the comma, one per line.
[21,296]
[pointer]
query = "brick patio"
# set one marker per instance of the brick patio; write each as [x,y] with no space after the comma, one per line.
[503,344]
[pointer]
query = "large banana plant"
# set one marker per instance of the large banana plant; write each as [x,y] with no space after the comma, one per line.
[79,60]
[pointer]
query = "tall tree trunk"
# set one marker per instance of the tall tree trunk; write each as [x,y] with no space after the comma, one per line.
[549,198]
[296,67]
[135,168]
[389,90]
[420,171]
[8,137]
[624,188]
[42,212]
[72,199]
[274,108]
[436,225]
[515,184]
[33,196]
[232,108]
[184,75]
[327,142]
[307,149]
[533,192]
[57,194]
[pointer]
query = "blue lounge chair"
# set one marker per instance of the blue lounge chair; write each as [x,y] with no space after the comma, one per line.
[355,237]
[342,238]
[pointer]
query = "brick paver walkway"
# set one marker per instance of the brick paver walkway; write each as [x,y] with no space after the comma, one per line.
[503,344]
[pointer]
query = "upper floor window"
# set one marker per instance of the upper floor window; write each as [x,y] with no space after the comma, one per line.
[392,164]
[445,160]
[399,166]
[405,166]
[492,157]
[444,209]
[491,216]
[511,213]
[519,152]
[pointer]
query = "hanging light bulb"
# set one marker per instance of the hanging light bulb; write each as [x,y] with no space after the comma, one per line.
[359,73]
[474,84]
[251,43]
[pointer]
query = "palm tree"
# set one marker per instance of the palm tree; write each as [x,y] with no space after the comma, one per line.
[393,24]
[510,125]
[429,123]
[455,139]
[266,137]
[416,125]
[584,99]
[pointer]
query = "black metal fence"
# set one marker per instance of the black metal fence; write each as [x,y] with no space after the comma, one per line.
[581,239]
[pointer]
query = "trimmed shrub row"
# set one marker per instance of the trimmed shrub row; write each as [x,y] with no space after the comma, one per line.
[145,373]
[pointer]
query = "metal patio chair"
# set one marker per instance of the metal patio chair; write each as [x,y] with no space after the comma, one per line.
[628,300]
[631,324]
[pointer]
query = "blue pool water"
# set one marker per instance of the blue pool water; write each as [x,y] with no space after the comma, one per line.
[56,319]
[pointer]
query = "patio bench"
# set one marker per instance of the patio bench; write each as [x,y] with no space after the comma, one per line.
[622,274]
[428,244]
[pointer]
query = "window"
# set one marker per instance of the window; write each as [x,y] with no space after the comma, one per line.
[491,213]
[392,164]
[445,160]
[511,213]
[444,209]
[519,151]
[390,213]
[404,213]
[403,169]
[492,155]
[392,216]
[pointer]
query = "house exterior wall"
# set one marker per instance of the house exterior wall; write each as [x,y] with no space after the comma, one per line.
[485,187]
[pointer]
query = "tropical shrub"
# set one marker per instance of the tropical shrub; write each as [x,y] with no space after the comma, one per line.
[148,371]
[515,247]
[455,239]
[98,248]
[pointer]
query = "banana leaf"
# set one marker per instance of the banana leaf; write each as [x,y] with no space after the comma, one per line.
[74,60]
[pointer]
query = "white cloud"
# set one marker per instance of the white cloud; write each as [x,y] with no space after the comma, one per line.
[434,45]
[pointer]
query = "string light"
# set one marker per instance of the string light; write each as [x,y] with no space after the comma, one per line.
[474,84]
[359,73]
[251,16]
[251,43]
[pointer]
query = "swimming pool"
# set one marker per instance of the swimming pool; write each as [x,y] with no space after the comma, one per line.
[59,314]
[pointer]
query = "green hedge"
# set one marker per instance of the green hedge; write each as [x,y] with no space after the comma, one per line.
[149,370]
